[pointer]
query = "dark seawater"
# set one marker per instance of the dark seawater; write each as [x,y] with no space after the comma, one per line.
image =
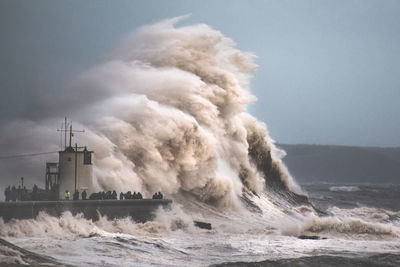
[361,228]
[379,260]
[354,195]
[328,196]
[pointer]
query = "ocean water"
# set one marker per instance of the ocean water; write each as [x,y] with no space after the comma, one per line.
[361,227]
[325,195]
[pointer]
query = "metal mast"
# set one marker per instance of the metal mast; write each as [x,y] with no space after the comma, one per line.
[65,135]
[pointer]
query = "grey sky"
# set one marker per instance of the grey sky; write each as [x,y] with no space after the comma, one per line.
[329,71]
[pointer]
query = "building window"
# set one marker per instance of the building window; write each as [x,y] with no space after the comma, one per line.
[87,158]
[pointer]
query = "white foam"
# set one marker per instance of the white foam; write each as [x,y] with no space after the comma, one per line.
[344,188]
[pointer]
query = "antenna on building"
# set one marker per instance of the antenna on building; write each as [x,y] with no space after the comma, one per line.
[65,132]
[71,132]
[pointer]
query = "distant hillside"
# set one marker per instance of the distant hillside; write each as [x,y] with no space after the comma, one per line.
[342,164]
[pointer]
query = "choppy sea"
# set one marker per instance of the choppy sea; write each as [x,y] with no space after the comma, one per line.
[358,225]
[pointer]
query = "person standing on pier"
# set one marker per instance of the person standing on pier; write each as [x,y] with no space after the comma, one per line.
[13,194]
[67,195]
[7,194]
[84,194]
[76,195]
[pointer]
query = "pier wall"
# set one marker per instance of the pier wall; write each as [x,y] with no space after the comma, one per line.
[140,210]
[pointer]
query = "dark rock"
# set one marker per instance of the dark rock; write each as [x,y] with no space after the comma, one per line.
[203,225]
[312,237]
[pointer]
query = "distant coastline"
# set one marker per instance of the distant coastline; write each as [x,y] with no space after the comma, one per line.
[343,164]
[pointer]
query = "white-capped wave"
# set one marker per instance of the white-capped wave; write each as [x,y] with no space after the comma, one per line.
[344,188]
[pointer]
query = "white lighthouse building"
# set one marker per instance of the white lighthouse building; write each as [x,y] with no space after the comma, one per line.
[75,170]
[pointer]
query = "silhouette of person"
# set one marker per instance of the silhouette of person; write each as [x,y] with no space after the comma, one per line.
[34,192]
[24,193]
[19,193]
[7,193]
[13,194]
[84,194]
[114,195]
[76,195]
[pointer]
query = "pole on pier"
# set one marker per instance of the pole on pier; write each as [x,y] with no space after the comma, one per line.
[76,165]
[65,133]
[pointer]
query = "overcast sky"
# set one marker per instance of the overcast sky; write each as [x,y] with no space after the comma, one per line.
[329,71]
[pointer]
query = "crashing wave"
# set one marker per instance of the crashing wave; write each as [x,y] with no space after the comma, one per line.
[167,112]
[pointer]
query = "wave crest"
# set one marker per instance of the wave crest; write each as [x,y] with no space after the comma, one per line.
[166,111]
[344,188]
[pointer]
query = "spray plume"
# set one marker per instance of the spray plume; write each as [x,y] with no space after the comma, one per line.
[167,112]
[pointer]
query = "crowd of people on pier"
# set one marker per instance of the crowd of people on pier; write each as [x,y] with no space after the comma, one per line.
[107,195]
[129,195]
[19,193]
[157,196]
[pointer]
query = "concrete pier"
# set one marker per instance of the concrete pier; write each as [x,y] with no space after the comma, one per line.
[141,210]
